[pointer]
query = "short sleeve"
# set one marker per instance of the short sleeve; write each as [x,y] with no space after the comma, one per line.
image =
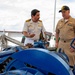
[57,29]
[25,28]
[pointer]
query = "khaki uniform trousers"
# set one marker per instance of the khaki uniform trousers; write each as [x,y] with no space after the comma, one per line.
[65,46]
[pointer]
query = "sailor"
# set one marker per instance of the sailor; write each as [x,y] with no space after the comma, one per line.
[65,30]
[33,27]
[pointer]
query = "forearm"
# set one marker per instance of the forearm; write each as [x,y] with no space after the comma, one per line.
[26,34]
[57,37]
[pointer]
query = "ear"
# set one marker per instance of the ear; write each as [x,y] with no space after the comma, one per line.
[69,11]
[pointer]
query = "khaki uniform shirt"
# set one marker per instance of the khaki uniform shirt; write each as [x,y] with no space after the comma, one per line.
[34,28]
[66,30]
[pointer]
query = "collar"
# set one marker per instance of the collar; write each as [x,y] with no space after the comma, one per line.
[33,22]
[63,20]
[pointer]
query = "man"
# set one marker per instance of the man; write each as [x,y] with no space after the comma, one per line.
[65,30]
[33,27]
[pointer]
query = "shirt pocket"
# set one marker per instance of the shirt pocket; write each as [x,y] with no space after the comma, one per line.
[30,28]
[70,27]
[39,28]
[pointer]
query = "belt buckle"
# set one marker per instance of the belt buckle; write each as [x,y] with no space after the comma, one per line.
[64,41]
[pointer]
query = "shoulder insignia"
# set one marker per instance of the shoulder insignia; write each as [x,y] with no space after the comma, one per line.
[28,20]
[40,20]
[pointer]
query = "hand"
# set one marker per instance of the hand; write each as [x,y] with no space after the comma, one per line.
[72,49]
[31,35]
[44,39]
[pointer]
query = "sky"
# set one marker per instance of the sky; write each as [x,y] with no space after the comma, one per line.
[13,13]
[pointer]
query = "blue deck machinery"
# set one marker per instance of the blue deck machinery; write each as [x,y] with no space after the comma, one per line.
[33,61]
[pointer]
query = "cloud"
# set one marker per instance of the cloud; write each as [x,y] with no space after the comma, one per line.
[13,13]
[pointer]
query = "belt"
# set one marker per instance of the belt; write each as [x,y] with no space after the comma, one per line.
[67,40]
[35,40]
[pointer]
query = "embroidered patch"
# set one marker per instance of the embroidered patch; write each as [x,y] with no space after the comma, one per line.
[39,25]
[69,24]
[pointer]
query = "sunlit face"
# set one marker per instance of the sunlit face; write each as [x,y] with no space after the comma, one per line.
[65,14]
[36,17]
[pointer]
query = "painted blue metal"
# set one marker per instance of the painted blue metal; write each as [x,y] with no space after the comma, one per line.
[40,60]
[43,60]
[40,44]
[73,43]
[24,71]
